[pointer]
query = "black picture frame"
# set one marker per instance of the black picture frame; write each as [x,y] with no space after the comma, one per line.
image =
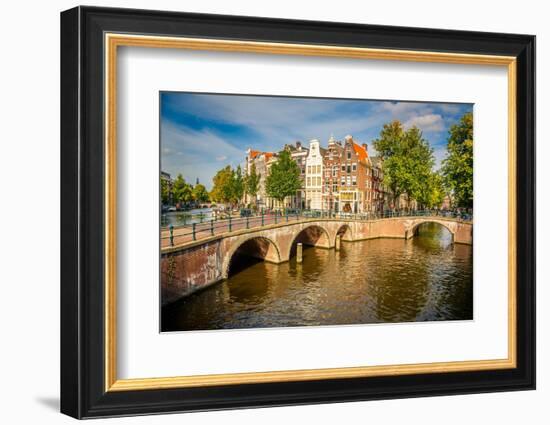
[83,392]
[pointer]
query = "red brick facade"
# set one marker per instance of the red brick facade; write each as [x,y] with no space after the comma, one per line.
[351,182]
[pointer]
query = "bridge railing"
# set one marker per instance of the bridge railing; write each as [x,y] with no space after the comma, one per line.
[210,227]
[201,226]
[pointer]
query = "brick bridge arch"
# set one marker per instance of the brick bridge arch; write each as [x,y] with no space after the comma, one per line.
[267,249]
[193,265]
[411,227]
[345,233]
[313,235]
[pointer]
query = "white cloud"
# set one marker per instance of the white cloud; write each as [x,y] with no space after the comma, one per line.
[449,108]
[404,108]
[280,120]
[192,153]
[267,123]
[426,123]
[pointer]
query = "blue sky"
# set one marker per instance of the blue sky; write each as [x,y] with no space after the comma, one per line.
[201,133]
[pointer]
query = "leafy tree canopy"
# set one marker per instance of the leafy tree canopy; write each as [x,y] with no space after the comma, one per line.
[164,191]
[237,183]
[200,194]
[181,190]
[284,177]
[252,182]
[408,161]
[458,166]
[222,190]
[229,185]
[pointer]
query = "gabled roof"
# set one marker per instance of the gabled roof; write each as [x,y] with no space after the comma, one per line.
[254,154]
[360,151]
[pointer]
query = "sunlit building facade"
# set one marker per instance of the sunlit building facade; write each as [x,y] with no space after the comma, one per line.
[314,175]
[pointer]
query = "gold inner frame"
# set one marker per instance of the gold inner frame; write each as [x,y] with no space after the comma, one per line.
[113,41]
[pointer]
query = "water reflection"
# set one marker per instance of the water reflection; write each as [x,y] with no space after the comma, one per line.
[182,218]
[383,280]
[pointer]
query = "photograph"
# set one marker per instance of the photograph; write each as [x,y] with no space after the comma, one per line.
[282,211]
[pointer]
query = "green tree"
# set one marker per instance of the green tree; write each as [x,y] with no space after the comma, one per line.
[200,194]
[390,146]
[181,190]
[420,161]
[433,193]
[222,190]
[238,188]
[252,182]
[408,161]
[284,177]
[458,166]
[164,191]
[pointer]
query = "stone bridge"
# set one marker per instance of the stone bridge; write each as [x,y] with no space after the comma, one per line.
[197,264]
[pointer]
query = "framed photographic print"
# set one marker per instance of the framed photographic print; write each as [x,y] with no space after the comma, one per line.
[261,212]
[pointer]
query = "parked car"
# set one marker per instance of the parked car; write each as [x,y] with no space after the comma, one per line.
[246,212]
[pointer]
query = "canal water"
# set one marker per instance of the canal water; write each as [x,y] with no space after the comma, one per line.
[427,278]
[182,218]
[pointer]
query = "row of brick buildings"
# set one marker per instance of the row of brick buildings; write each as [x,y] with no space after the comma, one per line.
[342,177]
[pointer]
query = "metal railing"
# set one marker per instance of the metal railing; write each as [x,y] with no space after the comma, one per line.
[202,227]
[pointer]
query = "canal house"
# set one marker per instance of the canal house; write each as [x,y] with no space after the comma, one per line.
[314,175]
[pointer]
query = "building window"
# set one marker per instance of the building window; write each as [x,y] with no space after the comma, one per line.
[349,155]
[343,168]
[318,169]
[348,180]
[354,167]
[348,169]
[309,181]
[343,181]
[354,180]
[318,181]
[335,188]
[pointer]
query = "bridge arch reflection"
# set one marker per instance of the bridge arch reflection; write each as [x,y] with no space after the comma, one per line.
[415,229]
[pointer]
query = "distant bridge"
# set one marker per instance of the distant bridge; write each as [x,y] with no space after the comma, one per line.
[195,264]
